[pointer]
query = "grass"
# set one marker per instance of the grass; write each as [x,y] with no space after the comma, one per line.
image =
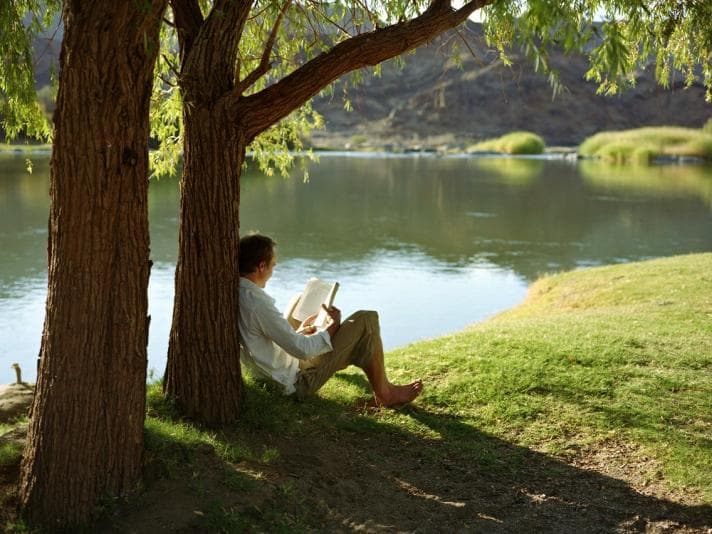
[643,145]
[612,353]
[511,143]
[594,358]
[10,450]
[622,351]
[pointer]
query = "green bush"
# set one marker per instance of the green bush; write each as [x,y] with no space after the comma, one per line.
[642,145]
[512,143]
[643,154]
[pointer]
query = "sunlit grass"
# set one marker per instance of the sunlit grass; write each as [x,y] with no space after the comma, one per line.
[592,358]
[511,143]
[643,145]
[11,449]
[621,352]
[10,453]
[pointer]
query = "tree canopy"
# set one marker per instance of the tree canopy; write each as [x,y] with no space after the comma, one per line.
[279,38]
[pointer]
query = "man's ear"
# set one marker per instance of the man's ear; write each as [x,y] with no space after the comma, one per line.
[262,266]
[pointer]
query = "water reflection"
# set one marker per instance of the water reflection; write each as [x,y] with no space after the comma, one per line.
[527,216]
[661,181]
[432,243]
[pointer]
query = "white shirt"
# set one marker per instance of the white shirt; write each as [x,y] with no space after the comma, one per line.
[274,347]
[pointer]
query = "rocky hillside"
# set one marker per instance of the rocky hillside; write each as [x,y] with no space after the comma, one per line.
[431,102]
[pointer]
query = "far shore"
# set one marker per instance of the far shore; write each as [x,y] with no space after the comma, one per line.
[376,149]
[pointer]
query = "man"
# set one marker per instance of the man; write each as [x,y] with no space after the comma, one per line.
[302,360]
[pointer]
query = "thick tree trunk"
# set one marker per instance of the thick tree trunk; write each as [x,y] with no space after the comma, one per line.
[86,429]
[203,370]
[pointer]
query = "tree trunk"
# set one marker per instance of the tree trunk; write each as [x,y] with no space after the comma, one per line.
[86,429]
[203,369]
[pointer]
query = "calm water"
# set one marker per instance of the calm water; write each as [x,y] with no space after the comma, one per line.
[432,243]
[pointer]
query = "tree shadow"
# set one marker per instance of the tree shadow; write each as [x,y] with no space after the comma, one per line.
[338,468]
[379,476]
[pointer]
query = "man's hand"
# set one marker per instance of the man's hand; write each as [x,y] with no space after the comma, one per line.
[334,314]
[307,327]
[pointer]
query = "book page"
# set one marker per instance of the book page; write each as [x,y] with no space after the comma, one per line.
[315,293]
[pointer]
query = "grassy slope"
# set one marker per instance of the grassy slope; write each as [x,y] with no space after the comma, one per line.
[621,352]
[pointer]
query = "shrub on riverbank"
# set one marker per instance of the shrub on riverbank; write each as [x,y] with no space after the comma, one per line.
[512,143]
[643,145]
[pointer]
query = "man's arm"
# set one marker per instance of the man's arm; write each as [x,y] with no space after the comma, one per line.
[275,327]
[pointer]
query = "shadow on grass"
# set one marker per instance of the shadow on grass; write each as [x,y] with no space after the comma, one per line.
[334,467]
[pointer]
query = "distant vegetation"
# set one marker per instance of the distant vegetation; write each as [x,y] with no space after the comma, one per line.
[643,145]
[512,143]
[25,148]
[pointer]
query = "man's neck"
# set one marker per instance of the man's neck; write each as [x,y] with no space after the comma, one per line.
[256,279]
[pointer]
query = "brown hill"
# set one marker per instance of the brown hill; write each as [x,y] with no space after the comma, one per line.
[430,101]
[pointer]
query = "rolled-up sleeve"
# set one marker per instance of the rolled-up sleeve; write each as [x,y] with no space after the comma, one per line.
[275,327]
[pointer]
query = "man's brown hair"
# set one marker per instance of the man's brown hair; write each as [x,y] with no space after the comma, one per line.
[255,249]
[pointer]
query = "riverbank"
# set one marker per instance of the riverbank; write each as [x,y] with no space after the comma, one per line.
[26,149]
[585,408]
[616,152]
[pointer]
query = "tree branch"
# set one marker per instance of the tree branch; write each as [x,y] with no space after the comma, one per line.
[264,64]
[188,19]
[208,67]
[259,111]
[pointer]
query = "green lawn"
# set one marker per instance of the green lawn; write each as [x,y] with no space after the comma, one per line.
[621,352]
[618,354]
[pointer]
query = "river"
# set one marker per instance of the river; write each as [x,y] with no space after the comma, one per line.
[432,243]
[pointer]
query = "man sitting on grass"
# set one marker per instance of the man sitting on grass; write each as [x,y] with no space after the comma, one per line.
[302,360]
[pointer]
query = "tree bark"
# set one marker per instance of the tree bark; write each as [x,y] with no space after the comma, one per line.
[203,369]
[86,428]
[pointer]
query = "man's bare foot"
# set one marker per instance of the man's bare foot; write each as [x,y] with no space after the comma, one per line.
[399,394]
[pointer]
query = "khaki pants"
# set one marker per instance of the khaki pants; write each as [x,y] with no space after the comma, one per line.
[353,344]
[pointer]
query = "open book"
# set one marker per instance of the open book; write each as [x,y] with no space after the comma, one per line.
[316,293]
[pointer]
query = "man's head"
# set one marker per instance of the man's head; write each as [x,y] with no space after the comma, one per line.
[257,258]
